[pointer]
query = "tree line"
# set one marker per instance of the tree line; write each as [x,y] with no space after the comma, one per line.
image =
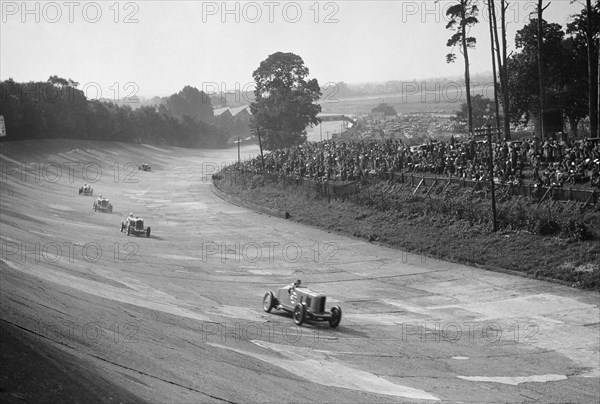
[553,73]
[56,108]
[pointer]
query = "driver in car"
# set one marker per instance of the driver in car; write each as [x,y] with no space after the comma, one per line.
[297,284]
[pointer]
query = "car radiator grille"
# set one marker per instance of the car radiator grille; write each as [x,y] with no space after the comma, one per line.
[320,304]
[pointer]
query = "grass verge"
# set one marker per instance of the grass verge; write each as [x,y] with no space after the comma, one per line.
[558,242]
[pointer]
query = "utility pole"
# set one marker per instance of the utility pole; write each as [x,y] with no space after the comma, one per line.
[238,150]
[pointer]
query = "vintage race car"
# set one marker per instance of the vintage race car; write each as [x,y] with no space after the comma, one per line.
[145,167]
[303,303]
[86,190]
[135,225]
[103,205]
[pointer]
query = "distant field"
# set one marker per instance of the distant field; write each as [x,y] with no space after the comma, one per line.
[439,99]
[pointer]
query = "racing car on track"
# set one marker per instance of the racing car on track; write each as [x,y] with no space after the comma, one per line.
[86,190]
[103,205]
[303,303]
[135,225]
[144,167]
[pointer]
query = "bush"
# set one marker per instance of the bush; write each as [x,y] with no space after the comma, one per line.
[575,230]
[545,226]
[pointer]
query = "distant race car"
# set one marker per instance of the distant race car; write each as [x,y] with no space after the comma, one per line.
[103,205]
[145,167]
[303,303]
[135,225]
[86,190]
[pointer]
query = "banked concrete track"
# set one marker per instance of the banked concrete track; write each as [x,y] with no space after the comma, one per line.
[177,317]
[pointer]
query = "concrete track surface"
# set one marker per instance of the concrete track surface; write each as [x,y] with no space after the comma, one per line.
[178,317]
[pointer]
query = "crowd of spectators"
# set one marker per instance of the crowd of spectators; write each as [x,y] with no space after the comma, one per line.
[549,162]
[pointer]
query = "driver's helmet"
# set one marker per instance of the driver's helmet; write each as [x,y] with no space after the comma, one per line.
[100,196]
[297,283]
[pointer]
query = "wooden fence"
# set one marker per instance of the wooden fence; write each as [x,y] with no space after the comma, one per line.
[336,189]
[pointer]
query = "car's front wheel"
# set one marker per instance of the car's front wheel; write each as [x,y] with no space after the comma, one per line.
[299,312]
[268,302]
[336,316]
[128,230]
[122,227]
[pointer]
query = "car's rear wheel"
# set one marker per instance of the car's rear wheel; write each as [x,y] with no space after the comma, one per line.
[299,312]
[336,316]
[80,191]
[148,232]
[268,302]
[95,207]
[122,227]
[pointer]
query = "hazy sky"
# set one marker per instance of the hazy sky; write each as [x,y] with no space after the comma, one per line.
[157,47]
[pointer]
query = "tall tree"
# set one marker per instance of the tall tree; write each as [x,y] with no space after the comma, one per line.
[191,102]
[463,16]
[565,83]
[491,26]
[585,29]
[285,101]
[482,111]
[502,60]
[571,82]
[540,63]
[524,69]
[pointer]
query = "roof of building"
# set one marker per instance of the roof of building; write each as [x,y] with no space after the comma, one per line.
[237,110]
[221,111]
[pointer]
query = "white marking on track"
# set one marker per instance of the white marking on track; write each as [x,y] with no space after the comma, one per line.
[327,372]
[514,380]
